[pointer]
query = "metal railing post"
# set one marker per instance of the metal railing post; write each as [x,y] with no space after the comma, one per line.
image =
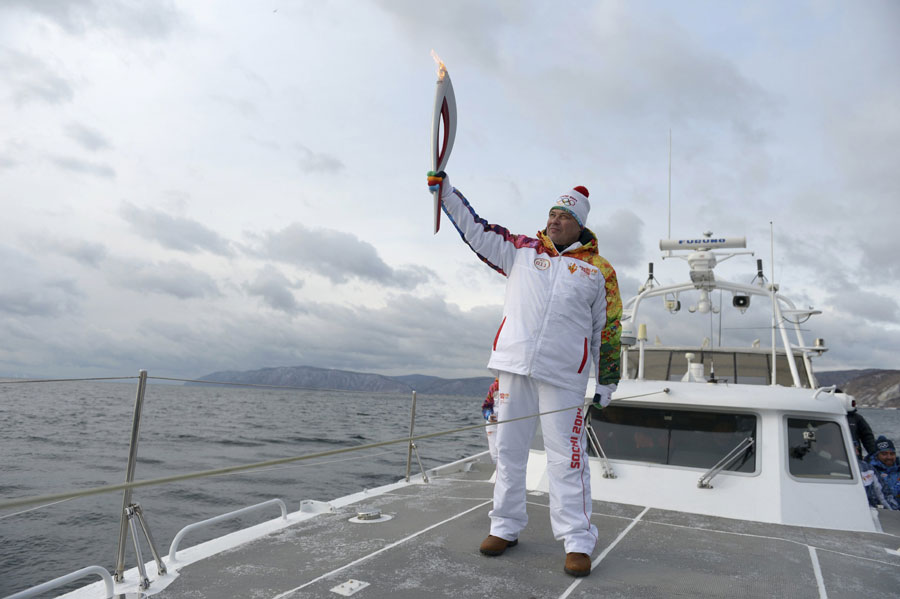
[412,424]
[412,445]
[129,475]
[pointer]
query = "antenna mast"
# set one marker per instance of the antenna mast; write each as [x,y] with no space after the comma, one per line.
[774,300]
[670,187]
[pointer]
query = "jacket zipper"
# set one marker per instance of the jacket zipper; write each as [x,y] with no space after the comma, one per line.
[557,268]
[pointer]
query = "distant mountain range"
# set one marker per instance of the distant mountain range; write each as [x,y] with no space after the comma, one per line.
[307,377]
[871,387]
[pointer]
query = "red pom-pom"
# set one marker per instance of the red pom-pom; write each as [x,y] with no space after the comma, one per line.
[583,191]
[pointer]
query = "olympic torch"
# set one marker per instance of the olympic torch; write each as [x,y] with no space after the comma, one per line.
[443,130]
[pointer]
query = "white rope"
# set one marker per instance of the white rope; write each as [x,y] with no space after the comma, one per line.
[102,378]
[34,509]
[265,386]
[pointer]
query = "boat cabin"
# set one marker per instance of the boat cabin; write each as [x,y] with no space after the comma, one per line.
[741,433]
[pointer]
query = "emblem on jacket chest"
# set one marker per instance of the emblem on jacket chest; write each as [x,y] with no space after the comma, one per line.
[541,263]
[585,271]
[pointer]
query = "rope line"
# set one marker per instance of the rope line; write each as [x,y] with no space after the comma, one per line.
[24,501]
[263,385]
[42,506]
[100,378]
[322,463]
[39,507]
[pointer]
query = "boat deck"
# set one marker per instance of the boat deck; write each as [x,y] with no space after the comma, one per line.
[430,548]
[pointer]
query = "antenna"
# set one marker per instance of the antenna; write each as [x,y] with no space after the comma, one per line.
[772,249]
[720,318]
[670,187]
[774,300]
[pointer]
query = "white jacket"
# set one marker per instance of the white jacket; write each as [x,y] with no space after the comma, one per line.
[559,309]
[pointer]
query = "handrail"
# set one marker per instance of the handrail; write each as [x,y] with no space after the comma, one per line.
[23,501]
[173,548]
[66,579]
[706,479]
[830,390]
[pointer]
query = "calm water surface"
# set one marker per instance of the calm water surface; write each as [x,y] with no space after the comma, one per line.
[57,437]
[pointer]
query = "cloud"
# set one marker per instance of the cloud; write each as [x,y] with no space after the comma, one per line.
[479,29]
[177,279]
[80,166]
[314,162]
[621,61]
[423,335]
[30,79]
[873,307]
[41,300]
[275,290]
[619,237]
[89,139]
[84,252]
[131,17]
[174,232]
[243,106]
[407,335]
[31,293]
[338,256]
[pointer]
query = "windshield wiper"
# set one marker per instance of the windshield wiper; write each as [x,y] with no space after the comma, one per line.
[730,458]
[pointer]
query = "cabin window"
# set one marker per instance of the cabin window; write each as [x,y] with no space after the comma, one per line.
[816,449]
[745,368]
[674,437]
[754,369]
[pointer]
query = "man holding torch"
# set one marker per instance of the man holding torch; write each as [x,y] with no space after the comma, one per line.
[562,307]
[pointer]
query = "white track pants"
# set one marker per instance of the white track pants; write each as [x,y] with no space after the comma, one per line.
[564,441]
[491,432]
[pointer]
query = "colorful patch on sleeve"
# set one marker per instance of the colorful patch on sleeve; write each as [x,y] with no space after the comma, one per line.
[610,337]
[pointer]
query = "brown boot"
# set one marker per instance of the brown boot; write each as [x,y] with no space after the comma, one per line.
[578,564]
[495,545]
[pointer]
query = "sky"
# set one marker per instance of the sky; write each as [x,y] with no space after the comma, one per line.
[189,187]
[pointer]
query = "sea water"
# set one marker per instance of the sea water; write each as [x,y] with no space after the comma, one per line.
[57,437]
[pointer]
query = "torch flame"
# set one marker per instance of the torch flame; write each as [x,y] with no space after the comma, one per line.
[442,70]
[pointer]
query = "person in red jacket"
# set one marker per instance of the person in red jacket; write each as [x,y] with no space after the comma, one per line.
[560,319]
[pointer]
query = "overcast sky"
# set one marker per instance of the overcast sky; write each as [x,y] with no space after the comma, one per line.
[197,186]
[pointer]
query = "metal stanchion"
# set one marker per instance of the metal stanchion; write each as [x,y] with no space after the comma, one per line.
[130,510]
[412,445]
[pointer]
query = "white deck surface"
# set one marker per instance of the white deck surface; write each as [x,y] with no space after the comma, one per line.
[429,548]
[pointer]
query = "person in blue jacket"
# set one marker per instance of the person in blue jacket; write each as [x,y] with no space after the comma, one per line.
[884,462]
[871,483]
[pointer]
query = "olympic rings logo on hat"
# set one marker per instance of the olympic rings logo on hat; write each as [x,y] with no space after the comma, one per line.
[567,201]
